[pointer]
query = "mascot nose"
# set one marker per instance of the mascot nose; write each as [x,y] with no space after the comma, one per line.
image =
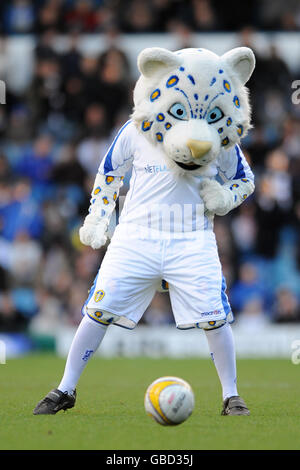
[198,148]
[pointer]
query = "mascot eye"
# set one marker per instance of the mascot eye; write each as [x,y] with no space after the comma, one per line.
[178,111]
[215,115]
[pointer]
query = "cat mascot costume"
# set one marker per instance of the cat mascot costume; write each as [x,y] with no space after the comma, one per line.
[191,109]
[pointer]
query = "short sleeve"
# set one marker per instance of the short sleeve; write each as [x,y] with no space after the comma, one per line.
[119,157]
[233,165]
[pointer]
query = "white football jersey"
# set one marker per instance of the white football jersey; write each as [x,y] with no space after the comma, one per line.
[157,197]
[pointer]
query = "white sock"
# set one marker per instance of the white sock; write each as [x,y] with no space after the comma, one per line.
[222,350]
[86,341]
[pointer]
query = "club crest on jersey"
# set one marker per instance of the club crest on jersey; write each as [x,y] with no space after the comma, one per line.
[99,295]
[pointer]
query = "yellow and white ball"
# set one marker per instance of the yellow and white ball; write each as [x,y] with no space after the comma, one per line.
[169,400]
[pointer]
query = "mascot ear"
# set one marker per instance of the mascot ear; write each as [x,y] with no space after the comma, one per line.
[154,60]
[242,61]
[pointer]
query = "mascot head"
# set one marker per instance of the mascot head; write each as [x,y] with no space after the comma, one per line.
[193,102]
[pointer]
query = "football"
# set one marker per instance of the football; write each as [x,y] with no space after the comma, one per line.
[169,401]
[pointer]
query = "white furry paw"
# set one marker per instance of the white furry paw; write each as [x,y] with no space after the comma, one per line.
[93,235]
[217,200]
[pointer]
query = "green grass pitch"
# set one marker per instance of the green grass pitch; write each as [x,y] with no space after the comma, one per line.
[110,415]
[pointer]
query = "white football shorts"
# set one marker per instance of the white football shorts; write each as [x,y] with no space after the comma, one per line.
[135,264]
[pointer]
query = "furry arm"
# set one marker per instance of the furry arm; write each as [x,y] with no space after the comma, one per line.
[220,199]
[102,203]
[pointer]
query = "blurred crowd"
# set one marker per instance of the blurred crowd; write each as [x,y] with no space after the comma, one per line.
[54,135]
[140,16]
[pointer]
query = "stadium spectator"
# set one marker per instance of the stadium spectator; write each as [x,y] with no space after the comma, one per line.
[244,229]
[25,259]
[49,17]
[252,316]
[273,203]
[37,162]
[20,211]
[113,87]
[18,17]
[204,16]
[81,17]
[138,17]
[44,94]
[10,318]
[248,287]
[95,142]
[286,308]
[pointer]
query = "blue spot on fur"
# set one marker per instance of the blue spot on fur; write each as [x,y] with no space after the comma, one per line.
[181,69]
[206,97]
[240,130]
[191,78]
[236,101]
[172,81]
[146,125]
[227,86]
[225,141]
[195,96]
[155,94]
[221,71]
[213,81]
[160,117]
